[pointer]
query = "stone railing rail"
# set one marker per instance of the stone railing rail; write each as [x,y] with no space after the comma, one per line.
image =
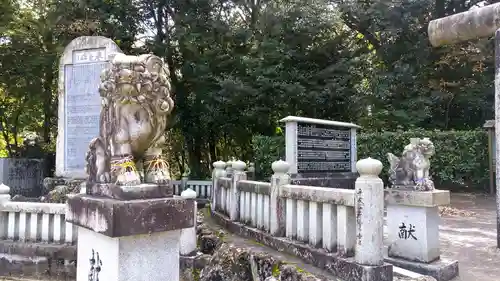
[203,188]
[255,203]
[34,222]
[326,219]
[321,217]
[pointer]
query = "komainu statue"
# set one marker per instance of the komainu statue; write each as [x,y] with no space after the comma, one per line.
[412,169]
[126,157]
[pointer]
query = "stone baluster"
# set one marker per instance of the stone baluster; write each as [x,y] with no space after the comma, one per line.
[278,179]
[369,210]
[188,235]
[229,168]
[238,175]
[218,172]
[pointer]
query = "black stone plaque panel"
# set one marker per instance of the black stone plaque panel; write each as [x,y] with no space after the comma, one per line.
[323,149]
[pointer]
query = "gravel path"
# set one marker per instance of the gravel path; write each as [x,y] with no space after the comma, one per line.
[470,237]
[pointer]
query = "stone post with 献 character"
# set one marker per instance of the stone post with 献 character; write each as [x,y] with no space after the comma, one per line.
[129,224]
[413,213]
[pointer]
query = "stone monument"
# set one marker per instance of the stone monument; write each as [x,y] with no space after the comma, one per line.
[79,106]
[321,152]
[413,213]
[411,171]
[129,224]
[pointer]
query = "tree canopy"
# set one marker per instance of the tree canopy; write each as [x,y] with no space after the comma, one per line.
[238,66]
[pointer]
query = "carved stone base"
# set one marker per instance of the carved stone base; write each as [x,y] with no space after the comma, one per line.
[118,218]
[441,269]
[141,191]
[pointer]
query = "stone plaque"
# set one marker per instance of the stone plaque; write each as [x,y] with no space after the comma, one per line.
[323,149]
[80,67]
[83,107]
[319,148]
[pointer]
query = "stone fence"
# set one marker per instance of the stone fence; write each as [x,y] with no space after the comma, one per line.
[202,188]
[340,230]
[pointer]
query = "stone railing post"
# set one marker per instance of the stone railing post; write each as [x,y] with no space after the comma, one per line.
[251,171]
[369,211]
[229,168]
[218,172]
[277,204]
[184,182]
[188,235]
[4,193]
[238,174]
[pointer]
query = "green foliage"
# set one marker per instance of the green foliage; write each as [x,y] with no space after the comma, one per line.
[237,67]
[266,151]
[461,157]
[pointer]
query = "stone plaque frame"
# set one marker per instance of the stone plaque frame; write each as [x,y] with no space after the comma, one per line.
[292,138]
[82,50]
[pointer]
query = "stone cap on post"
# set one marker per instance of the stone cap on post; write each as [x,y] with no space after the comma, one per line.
[4,193]
[280,167]
[219,168]
[369,167]
[188,194]
[118,218]
[414,198]
[238,166]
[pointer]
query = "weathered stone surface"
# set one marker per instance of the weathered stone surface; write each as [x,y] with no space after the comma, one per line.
[411,170]
[418,199]
[254,187]
[318,194]
[141,191]
[116,218]
[337,180]
[80,67]
[342,267]
[476,23]
[127,151]
[231,263]
[441,270]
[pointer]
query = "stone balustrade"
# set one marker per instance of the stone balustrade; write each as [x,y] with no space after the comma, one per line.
[202,188]
[255,204]
[329,224]
[34,222]
[322,217]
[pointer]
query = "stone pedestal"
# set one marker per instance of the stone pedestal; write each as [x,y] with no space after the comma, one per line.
[129,240]
[413,231]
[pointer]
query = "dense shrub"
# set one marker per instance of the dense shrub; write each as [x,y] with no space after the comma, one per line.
[461,157]
[266,151]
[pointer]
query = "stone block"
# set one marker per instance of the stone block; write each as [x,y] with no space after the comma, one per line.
[413,232]
[441,269]
[417,198]
[149,257]
[116,218]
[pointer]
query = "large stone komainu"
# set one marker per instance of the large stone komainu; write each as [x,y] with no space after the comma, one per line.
[135,92]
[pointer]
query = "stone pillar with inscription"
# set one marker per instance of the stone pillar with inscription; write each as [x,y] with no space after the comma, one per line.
[79,106]
[122,240]
[321,152]
[129,224]
[413,213]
